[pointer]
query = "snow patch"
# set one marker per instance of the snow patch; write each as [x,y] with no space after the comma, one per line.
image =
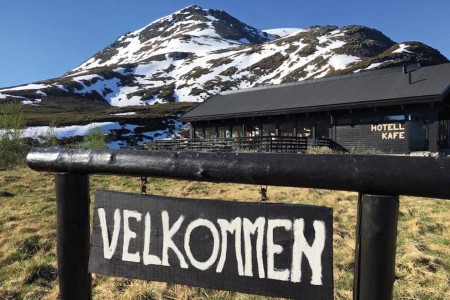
[31,86]
[375,65]
[282,32]
[341,61]
[61,87]
[125,114]
[209,17]
[32,102]
[402,48]
[323,39]
[5,96]
[69,131]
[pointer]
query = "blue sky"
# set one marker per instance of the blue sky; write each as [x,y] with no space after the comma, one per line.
[44,39]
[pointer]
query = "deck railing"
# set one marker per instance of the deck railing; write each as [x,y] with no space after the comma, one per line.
[242,144]
[329,143]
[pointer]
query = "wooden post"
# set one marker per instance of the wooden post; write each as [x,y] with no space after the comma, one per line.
[72,197]
[191,130]
[376,238]
[433,136]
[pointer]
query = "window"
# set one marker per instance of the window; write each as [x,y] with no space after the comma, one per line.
[198,133]
[287,128]
[253,131]
[304,128]
[210,133]
[238,131]
[394,118]
[269,130]
[224,132]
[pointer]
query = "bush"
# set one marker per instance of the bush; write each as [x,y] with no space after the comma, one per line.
[50,139]
[13,148]
[319,150]
[95,139]
[365,150]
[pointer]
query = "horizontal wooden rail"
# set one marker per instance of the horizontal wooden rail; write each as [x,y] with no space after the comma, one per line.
[381,175]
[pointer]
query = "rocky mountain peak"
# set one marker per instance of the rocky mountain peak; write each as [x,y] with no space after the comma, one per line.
[189,30]
[196,52]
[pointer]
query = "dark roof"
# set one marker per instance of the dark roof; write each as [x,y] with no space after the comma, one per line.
[365,89]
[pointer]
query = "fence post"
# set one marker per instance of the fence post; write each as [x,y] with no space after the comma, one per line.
[72,198]
[376,237]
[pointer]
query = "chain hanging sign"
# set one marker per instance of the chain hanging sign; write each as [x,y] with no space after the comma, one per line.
[278,250]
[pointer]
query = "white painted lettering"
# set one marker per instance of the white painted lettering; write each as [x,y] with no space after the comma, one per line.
[109,247]
[273,249]
[149,259]
[128,235]
[168,234]
[313,253]
[216,243]
[250,229]
[235,227]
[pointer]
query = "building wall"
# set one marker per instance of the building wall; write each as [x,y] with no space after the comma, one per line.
[387,137]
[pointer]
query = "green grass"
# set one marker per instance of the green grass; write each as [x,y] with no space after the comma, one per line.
[28,238]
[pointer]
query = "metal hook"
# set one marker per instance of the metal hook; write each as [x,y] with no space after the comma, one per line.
[263,193]
[143,185]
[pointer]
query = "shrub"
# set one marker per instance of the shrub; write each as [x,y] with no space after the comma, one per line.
[13,148]
[365,150]
[319,150]
[50,139]
[95,139]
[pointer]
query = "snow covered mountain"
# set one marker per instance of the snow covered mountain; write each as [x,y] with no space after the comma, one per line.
[196,52]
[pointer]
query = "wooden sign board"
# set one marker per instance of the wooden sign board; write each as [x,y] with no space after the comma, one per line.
[277,250]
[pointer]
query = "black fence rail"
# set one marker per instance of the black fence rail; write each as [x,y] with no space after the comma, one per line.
[242,144]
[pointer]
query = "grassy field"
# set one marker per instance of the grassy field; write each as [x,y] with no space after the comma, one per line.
[28,235]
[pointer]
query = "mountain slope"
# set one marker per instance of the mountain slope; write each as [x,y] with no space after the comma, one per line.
[197,52]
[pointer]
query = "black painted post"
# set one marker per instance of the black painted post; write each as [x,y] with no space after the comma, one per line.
[433,136]
[72,197]
[376,238]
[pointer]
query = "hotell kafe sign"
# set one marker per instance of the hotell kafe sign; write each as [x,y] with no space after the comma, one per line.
[269,249]
[390,131]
